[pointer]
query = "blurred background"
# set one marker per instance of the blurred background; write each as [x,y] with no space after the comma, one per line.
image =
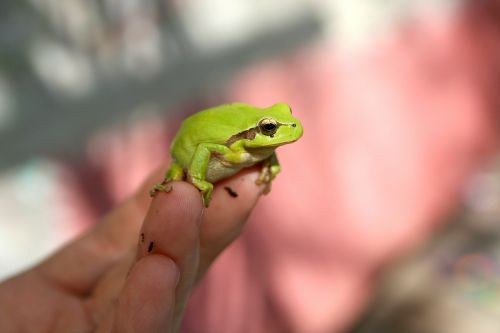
[74,75]
[399,104]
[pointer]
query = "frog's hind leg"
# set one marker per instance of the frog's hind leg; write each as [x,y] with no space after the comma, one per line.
[175,172]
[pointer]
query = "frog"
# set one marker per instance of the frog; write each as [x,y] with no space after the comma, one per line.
[218,142]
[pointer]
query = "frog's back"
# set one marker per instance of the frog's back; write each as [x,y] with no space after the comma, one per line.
[214,125]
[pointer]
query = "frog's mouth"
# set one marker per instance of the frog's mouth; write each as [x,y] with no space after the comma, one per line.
[261,152]
[271,145]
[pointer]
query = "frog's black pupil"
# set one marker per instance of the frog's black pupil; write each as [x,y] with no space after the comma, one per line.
[269,127]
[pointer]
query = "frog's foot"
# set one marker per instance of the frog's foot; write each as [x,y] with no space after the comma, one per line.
[266,176]
[205,188]
[267,186]
[164,186]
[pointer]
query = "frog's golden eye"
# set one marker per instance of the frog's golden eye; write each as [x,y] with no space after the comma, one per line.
[268,126]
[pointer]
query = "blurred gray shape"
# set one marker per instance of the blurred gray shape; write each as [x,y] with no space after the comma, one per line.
[49,123]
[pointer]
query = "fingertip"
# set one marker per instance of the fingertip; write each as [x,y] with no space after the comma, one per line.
[240,192]
[182,195]
[224,220]
[169,211]
[171,226]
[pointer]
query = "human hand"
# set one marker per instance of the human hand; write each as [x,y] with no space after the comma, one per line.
[134,271]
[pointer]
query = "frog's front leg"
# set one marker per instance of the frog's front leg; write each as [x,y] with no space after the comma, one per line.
[175,172]
[199,164]
[270,168]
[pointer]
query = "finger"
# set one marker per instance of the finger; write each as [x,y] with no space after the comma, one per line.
[171,229]
[167,207]
[232,203]
[147,301]
[77,266]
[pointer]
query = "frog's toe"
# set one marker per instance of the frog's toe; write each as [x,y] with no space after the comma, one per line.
[164,186]
[207,195]
[205,188]
[206,199]
[264,176]
[267,188]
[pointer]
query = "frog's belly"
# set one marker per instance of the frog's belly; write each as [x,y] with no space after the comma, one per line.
[218,170]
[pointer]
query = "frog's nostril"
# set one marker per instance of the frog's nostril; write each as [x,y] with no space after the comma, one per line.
[294,125]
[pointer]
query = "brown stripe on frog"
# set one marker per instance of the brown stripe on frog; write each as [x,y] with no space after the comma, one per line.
[248,134]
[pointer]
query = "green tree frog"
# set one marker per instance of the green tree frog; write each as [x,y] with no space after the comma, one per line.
[218,142]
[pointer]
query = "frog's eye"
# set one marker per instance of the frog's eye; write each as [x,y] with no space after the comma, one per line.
[268,126]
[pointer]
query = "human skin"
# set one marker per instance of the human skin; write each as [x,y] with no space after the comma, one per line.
[112,279]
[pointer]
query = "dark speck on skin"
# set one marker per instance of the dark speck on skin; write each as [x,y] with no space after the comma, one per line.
[142,237]
[150,247]
[232,193]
